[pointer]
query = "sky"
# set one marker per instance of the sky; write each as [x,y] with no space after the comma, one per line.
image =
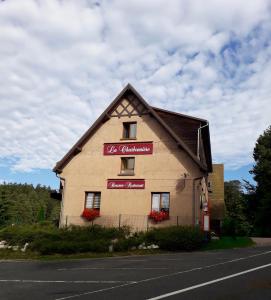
[63,62]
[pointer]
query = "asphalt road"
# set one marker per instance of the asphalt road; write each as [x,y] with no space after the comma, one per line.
[225,274]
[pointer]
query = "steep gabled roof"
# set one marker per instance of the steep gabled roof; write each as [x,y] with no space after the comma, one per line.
[161,116]
[186,127]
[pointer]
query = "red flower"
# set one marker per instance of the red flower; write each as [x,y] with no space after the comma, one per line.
[158,216]
[90,214]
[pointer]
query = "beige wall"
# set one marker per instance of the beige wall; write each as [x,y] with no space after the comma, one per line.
[163,171]
[216,179]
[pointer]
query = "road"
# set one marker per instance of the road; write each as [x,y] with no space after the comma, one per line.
[224,274]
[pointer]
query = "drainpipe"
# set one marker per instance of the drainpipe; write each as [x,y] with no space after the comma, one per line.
[199,132]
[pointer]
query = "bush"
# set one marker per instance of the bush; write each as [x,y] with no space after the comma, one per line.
[123,245]
[49,239]
[75,239]
[19,235]
[232,227]
[46,247]
[176,238]
[126,244]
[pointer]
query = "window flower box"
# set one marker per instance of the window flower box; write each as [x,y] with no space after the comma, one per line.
[158,216]
[90,214]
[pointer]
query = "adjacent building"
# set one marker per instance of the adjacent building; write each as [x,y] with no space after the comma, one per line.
[134,160]
[217,203]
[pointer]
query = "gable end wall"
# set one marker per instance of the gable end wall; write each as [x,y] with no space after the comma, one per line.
[163,171]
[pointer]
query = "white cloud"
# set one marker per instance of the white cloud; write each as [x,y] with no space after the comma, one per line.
[62,62]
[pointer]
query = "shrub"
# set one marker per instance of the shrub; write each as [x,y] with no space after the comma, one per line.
[232,227]
[126,244]
[19,235]
[75,239]
[123,245]
[46,246]
[49,239]
[176,238]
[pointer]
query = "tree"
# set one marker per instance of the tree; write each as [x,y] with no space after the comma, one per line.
[25,204]
[235,222]
[250,201]
[262,175]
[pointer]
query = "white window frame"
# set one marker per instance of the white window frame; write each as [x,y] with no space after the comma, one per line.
[127,130]
[160,208]
[127,171]
[96,197]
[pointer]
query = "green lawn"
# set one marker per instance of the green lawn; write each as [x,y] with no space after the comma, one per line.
[10,254]
[227,242]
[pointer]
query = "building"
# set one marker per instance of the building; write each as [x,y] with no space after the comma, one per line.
[136,159]
[216,187]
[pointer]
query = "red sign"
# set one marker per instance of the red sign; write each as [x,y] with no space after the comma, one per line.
[128,148]
[126,184]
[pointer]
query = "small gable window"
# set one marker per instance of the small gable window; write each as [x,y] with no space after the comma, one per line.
[129,130]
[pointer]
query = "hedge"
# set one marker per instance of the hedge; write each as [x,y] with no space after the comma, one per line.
[75,239]
[176,238]
[19,235]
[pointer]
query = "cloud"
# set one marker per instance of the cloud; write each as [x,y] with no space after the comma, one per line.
[62,63]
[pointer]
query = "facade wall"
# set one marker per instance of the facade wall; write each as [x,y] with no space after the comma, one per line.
[216,179]
[163,171]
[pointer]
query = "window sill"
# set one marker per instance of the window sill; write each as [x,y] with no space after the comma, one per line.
[128,139]
[126,174]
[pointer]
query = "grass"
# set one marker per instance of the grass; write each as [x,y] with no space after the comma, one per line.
[227,242]
[18,255]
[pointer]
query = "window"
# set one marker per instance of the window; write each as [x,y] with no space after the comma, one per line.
[129,130]
[127,165]
[93,200]
[160,202]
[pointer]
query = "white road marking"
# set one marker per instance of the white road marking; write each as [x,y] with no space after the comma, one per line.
[159,277]
[65,281]
[104,268]
[133,260]
[209,282]
[172,259]
[93,292]
[114,287]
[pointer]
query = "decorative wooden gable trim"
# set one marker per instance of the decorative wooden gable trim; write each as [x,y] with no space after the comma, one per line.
[129,106]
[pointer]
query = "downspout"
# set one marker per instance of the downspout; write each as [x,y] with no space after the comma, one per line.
[199,132]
